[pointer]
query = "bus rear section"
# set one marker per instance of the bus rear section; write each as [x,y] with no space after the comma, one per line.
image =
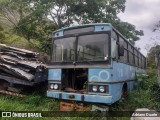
[91,65]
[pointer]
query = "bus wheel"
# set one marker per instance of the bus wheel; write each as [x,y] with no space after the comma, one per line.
[124,90]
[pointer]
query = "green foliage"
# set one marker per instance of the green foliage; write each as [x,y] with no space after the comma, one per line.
[12,11]
[35,20]
[154,51]
[1,28]
[28,103]
[128,30]
[65,13]
[2,38]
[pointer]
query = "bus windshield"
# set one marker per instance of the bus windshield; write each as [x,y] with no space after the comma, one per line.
[92,47]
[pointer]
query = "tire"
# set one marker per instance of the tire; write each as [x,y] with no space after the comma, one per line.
[124,91]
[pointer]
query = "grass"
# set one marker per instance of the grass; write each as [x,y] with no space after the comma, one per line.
[28,103]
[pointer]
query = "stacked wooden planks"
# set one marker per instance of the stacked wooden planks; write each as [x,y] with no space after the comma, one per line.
[21,64]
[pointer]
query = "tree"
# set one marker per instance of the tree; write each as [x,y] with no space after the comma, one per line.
[154,49]
[66,12]
[37,18]
[21,17]
[13,11]
[152,54]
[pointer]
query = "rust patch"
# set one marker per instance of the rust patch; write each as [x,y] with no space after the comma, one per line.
[69,106]
[82,108]
[75,91]
[65,106]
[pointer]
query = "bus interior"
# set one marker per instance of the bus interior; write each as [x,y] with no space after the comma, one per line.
[75,80]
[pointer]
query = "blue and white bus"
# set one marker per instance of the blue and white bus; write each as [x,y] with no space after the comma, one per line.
[92,63]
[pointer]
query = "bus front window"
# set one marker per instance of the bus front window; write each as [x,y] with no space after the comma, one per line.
[92,47]
[64,49]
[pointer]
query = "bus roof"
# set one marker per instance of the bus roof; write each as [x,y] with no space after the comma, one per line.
[91,24]
[83,25]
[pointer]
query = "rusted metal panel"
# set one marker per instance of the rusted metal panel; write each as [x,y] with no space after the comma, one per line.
[75,91]
[69,106]
[14,49]
[29,64]
[12,54]
[21,66]
[16,72]
[8,59]
[81,107]
[16,80]
[65,106]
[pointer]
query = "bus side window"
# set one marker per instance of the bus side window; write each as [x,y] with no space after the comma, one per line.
[131,55]
[136,57]
[140,60]
[124,58]
[144,65]
[115,37]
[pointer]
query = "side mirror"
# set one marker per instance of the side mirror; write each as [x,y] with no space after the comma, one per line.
[121,48]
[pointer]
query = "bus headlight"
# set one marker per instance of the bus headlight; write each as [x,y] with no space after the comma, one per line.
[101,89]
[51,86]
[55,86]
[94,88]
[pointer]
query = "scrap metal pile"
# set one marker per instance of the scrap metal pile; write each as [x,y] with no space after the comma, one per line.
[20,66]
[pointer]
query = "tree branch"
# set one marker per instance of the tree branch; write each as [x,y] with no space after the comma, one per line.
[53,18]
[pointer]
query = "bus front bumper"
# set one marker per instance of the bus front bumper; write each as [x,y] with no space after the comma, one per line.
[81,97]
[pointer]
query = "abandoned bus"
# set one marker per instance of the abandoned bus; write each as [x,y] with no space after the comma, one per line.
[92,63]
